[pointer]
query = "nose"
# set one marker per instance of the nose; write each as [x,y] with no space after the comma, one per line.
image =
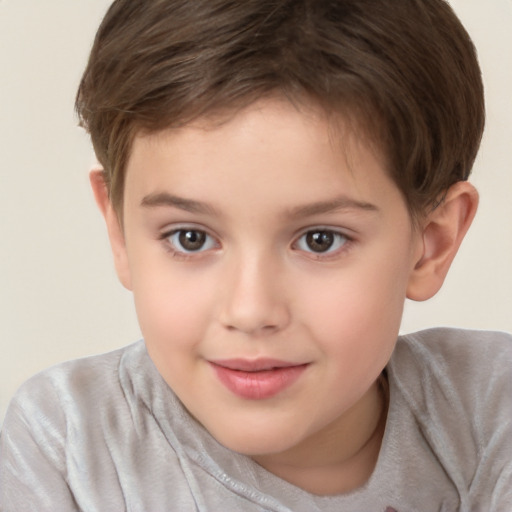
[253,299]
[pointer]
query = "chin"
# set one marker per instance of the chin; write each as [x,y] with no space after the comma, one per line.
[252,442]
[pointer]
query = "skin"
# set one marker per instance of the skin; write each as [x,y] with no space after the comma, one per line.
[256,185]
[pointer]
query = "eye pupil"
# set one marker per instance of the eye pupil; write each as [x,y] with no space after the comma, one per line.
[320,241]
[192,240]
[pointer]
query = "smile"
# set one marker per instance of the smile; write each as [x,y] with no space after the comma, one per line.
[259,379]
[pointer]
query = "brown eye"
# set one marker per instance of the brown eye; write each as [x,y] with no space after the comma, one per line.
[321,241]
[190,240]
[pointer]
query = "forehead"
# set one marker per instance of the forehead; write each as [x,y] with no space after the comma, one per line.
[271,147]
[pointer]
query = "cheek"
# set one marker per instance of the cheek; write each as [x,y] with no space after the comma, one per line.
[359,301]
[172,310]
[358,311]
[173,319]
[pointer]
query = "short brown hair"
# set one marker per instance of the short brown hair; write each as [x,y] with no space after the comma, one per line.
[406,69]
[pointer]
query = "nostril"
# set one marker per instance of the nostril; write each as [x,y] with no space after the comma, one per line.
[252,329]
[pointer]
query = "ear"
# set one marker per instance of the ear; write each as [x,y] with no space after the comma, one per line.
[115,230]
[441,234]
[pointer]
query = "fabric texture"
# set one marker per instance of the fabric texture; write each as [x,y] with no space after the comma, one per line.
[106,433]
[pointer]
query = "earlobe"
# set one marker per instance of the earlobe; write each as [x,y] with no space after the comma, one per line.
[114,228]
[441,234]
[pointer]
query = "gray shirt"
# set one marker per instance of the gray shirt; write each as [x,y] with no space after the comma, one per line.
[106,433]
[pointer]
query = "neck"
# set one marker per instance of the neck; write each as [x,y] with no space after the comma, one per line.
[342,456]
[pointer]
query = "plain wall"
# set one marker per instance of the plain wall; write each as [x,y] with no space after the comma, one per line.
[59,296]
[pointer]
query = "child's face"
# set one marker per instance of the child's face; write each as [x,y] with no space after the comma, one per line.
[269,263]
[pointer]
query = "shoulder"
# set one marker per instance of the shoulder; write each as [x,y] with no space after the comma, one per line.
[81,374]
[455,365]
[456,384]
[68,387]
[458,350]
[53,419]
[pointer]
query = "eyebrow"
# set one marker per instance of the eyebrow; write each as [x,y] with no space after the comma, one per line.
[160,199]
[166,199]
[331,205]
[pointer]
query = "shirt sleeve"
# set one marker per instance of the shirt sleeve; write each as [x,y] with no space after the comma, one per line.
[32,452]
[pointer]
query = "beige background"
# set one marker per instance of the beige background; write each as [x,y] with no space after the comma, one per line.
[59,298]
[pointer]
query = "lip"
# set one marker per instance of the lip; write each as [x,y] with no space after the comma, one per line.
[257,379]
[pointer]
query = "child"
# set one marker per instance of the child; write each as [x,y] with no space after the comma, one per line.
[277,177]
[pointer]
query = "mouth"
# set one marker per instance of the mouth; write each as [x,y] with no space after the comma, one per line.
[257,379]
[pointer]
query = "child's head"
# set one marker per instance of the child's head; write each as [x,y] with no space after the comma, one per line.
[405,72]
[266,158]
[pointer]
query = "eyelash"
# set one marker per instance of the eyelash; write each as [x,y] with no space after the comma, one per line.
[340,239]
[184,253]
